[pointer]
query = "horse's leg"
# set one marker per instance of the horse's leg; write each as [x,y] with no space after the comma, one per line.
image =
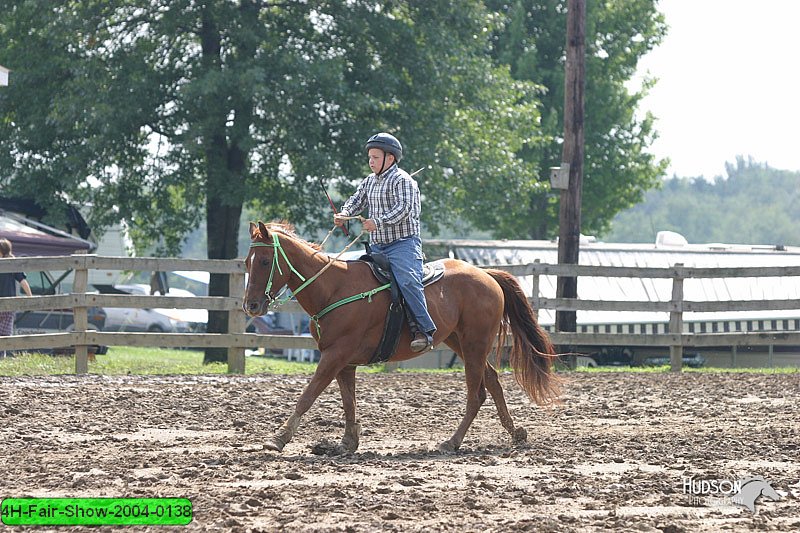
[321,379]
[492,384]
[490,379]
[474,364]
[352,429]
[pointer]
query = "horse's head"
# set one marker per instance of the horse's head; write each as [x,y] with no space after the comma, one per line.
[265,274]
[751,489]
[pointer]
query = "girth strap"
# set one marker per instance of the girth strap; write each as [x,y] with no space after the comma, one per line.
[368,294]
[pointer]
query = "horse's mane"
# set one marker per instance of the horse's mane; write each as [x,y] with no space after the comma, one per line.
[288,229]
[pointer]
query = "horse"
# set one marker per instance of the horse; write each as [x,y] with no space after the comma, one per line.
[471,308]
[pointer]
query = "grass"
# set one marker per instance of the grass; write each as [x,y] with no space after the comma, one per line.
[121,360]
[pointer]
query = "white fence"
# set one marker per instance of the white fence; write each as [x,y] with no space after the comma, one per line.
[236,340]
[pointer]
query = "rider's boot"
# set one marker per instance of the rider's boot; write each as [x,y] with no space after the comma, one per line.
[420,341]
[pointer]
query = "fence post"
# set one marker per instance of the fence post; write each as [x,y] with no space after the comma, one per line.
[80,315]
[676,320]
[236,322]
[535,290]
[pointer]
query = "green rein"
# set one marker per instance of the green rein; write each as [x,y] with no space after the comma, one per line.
[275,301]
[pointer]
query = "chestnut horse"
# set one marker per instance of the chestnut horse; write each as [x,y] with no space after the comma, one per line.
[471,308]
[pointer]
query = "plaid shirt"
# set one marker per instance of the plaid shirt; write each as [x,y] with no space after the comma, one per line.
[393,201]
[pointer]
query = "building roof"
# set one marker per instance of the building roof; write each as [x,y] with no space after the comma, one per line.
[667,253]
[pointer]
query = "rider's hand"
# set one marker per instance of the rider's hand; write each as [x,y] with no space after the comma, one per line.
[338,219]
[369,225]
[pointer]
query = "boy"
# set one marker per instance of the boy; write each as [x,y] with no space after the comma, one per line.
[392,197]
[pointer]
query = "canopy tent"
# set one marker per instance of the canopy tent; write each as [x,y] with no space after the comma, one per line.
[29,241]
[33,214]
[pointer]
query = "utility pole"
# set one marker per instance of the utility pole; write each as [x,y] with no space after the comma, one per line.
[569,214]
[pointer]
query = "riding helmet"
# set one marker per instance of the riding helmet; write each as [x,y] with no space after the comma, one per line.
[387,143]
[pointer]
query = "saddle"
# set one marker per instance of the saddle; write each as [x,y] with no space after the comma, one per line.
[431,272]
[379,264]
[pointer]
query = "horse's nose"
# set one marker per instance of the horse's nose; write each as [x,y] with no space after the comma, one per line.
[251,307]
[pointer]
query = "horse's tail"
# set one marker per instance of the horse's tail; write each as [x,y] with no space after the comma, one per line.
[532,354]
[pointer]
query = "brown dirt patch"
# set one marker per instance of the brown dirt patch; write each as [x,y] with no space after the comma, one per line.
[612,457]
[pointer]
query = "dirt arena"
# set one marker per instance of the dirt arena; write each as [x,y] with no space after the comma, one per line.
[615,456]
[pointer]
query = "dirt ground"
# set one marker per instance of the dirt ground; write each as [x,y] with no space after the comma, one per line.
[615,456]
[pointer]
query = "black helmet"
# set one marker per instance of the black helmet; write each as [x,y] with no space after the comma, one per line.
[387,143]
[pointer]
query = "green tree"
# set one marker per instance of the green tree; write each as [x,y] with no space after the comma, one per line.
[618,169]
[166,113]
[754,204]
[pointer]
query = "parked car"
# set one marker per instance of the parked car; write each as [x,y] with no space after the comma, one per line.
[615,356]
[268,325]
[55,320]
[151,320]
[690,360]
[36,322]
[612,356]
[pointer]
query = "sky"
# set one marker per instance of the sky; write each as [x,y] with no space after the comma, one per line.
[729,85]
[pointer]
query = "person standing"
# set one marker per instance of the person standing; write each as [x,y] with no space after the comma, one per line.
[8,287]
[393,200]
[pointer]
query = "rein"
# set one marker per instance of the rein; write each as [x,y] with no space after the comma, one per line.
[279,299]
[358,217]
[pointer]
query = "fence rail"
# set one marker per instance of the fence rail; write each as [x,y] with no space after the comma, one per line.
[236,341]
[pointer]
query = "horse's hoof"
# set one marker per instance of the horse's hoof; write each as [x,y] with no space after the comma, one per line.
[274,444]
[520,436]
[448,447]
[351,438]
[348,445]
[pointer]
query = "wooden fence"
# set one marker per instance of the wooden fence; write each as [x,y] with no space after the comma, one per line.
[676,339]
[236,340]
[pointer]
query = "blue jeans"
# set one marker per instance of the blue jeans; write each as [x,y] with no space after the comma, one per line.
[405,257]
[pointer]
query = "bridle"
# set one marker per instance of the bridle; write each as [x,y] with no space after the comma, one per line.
[279,299]
[273,301]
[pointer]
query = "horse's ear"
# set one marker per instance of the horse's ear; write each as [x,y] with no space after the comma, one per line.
[253,230]
[263,229]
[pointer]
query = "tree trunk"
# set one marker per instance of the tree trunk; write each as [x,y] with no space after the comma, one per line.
[225,168]
[222,234]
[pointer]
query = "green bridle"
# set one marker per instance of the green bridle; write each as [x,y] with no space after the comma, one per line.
[275,301]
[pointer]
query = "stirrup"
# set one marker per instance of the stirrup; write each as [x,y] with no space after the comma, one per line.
[423,344]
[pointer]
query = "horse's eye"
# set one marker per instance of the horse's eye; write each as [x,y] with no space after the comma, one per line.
[264,262]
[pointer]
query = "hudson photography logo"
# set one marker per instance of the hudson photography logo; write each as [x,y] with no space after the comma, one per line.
[726,492]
